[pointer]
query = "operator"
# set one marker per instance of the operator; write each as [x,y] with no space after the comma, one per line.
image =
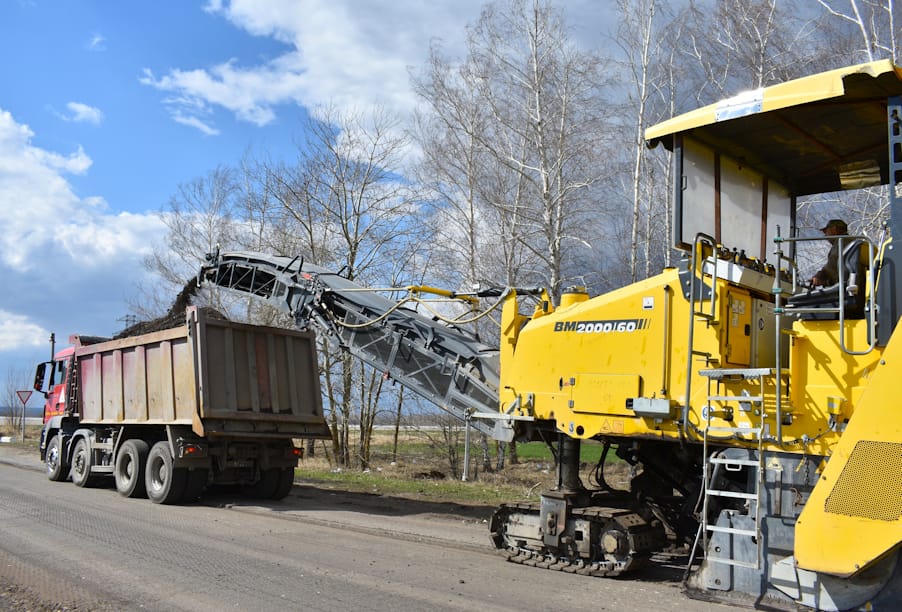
[829,274]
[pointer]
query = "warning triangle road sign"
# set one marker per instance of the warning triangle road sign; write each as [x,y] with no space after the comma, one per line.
[23,396]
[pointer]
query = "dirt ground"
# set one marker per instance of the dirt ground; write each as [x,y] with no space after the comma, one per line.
[428,511]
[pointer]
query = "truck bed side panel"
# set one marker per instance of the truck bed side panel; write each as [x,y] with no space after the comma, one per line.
[145,379]
[220,377]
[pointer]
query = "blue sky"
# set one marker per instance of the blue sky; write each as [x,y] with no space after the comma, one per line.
[106,107]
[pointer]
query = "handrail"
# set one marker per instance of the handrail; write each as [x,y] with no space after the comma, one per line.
[778,343]
[665,353]
[870,288]
[707,240]
[694,269]
[779,309]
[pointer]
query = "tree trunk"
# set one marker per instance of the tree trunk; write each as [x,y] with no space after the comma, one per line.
[394,450]
[486,458]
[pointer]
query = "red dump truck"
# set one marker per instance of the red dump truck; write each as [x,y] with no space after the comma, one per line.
[169,412]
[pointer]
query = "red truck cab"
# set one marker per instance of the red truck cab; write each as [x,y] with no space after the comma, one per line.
[51,378]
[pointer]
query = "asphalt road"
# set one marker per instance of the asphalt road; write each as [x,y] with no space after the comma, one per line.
[67,548]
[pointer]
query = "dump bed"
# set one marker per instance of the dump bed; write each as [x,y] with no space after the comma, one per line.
[218,377]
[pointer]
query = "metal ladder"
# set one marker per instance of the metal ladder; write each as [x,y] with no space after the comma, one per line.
[711,464]
[72,388]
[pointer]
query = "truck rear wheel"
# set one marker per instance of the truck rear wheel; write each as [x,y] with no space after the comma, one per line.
[81,464]
[286,481]
[165,483]
[57,467]
[131,463]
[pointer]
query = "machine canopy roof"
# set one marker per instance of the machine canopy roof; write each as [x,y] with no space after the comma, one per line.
[816,134]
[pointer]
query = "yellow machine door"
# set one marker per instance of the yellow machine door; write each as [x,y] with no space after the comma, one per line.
[737,328]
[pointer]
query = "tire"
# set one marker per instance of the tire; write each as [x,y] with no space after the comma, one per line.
[265,487]
[57,467]
[81,464]
[165,483]
[286,482]
[196,483]
[131,463]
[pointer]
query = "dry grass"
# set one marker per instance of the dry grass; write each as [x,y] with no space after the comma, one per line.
[421,470]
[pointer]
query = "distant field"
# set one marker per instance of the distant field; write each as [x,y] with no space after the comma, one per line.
[422,469]
[428,442]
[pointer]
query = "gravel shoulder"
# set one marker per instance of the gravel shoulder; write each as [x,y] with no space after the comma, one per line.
[459,529]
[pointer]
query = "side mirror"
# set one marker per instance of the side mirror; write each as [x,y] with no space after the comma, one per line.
[40,374]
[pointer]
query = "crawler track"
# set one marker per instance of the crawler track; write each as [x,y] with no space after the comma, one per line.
[620,540]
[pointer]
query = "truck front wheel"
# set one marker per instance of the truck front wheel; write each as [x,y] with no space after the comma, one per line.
[57,467]
[165,483]
[131,463]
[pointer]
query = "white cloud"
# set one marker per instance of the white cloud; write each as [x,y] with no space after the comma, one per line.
[18,331]
[42,217]
[82,113]
[96,43]
[67,262]
[249,93]
[213,6]
[195,122]
[344,53]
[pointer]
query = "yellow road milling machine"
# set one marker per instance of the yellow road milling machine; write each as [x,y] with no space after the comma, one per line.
[761,415]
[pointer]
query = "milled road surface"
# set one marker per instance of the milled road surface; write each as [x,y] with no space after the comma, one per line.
[67,548]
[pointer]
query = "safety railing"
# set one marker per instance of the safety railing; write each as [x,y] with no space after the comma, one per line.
[696,294]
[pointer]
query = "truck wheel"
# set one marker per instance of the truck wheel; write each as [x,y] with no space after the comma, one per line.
[57,468]
[286,481]
[131,464]
[165,483]
[81,464]
[197,482]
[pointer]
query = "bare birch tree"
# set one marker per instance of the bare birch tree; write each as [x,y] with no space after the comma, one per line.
[199,218]
[746,44]
[342,206]
[17,379]
[635,37]
[875,23]
[533,122]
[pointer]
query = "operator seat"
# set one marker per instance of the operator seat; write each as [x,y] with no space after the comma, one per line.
[854,261]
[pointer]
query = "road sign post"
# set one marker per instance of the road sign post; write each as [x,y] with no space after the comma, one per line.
[24,396]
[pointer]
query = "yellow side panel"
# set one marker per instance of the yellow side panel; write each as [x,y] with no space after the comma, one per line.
[603,393]
[854,514]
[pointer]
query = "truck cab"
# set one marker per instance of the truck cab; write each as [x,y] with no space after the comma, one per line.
[50,379]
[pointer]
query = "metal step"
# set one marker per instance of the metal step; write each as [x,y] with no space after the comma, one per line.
[745,373]
[746,532]
[746,430]
[732,562]
[741,373]
[751,399]
[725,461]
[732,494]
